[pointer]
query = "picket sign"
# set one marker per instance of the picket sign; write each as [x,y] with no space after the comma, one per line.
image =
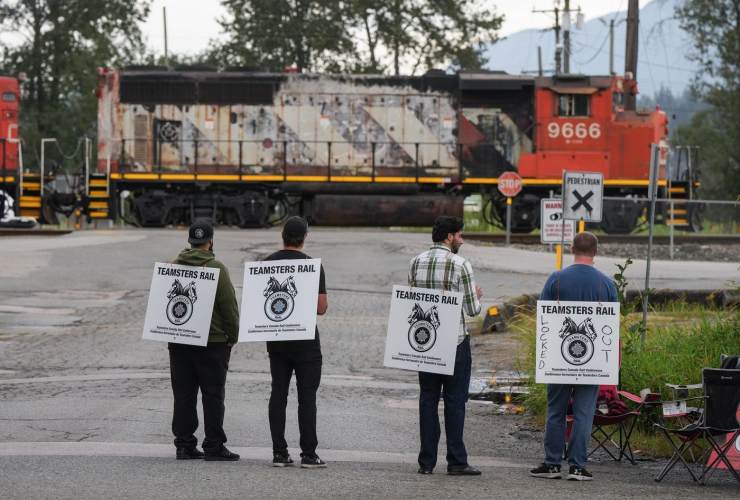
[180,304]
[279,300]
[577,343]
[423,327]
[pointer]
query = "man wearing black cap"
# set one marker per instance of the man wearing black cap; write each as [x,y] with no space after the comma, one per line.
[197,367]
[301,356]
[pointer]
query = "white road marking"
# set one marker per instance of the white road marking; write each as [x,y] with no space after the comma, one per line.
[327,380]
[97,449]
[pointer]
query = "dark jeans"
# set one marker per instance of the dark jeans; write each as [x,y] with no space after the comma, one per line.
[454,388]
[204,368]
[307,367]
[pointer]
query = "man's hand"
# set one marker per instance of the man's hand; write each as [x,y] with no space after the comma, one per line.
[478,291]
[230,345]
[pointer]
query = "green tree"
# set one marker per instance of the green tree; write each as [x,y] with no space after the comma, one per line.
[310,34]
[714,26]
[421,34]
[60,43]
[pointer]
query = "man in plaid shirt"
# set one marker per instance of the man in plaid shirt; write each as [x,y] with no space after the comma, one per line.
[441,268]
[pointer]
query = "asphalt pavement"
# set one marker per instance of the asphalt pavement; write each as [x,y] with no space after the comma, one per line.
[85,404]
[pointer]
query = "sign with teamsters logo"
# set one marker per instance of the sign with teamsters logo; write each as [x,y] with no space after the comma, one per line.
[181,304]
[422,330]
[279,300]
[577,343]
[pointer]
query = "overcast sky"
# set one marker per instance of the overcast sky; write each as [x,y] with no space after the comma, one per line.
[192,23]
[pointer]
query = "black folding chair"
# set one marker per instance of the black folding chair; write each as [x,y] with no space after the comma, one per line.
[721,408]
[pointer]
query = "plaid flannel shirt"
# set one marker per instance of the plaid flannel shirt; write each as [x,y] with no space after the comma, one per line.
[439,268]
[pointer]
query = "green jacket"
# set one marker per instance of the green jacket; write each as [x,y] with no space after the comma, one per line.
[225,319]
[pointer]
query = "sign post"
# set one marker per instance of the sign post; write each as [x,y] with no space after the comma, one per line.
[652,194]
[510,185]
[180,304]
[279,300]
[422,330]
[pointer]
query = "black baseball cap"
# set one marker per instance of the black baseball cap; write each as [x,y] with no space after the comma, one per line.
[201,231]
[295,227]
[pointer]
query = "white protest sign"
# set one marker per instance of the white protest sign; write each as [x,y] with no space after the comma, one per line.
[577,343]
[583,194]
[551,222]
[279,300]
[181,304]
[422,330]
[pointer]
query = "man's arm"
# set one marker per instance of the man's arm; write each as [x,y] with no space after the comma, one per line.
[228,307]
[323,304]
[471,304]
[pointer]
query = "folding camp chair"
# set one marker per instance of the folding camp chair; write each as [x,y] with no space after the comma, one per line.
[721,390]
[612,430]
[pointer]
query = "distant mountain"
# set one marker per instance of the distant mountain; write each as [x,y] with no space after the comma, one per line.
[663,47]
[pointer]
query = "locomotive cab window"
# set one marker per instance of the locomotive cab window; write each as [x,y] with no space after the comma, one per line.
[573,104]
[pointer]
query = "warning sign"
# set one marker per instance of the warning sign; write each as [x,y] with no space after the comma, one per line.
[551,222]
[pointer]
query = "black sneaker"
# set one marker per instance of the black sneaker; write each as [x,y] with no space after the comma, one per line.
[189,453]
[222,455]
[464,471]
[546,471]
[280,460]
[579,474]
[425,470]
[312,462]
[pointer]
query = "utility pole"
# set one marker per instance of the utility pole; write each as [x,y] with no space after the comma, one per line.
[166,55]
[612,24]
[539,60]
[630,61]
[558,48]
[562,52]
[566,37]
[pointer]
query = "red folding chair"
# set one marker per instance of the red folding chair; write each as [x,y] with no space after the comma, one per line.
[612,430]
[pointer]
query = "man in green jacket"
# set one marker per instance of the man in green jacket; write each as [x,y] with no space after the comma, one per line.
[197,367]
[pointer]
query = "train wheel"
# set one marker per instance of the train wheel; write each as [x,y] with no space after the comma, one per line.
[525,213]
[620,217]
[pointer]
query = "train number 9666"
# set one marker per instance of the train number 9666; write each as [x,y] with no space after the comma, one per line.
[571,130]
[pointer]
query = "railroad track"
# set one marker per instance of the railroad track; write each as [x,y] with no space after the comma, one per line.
[33,232]
[662,239]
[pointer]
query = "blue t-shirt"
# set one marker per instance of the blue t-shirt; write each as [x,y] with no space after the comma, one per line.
[579,282]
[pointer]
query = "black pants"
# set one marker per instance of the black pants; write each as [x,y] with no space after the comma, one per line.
[204,368]
[307,366]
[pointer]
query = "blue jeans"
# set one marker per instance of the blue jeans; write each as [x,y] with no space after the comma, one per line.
[584,407]
[454,388]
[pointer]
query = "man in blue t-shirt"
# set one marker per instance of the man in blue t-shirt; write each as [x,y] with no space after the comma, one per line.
[579,282]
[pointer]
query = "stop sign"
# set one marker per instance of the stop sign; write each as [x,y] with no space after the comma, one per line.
[510,184]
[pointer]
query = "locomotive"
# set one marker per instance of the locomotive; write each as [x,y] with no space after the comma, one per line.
[242,145]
